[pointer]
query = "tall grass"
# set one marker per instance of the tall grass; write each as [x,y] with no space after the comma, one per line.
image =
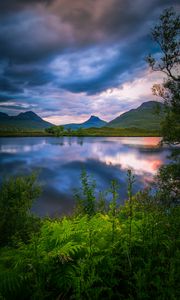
[103,251]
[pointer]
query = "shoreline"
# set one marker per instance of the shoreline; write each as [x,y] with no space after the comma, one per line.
[97,135]
[88,132]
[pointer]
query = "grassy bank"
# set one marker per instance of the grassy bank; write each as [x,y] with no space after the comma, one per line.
[119,132]
[94,132]
[24,133]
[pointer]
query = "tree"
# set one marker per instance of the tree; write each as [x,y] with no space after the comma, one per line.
[56,130]
[60,130]
[16,198]
[167,35]
[79,131]
[86,201]
[69,131]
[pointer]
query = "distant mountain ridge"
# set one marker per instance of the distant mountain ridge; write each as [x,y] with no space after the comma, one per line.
[23,121]
[29,115]
[143,117]
[93,121]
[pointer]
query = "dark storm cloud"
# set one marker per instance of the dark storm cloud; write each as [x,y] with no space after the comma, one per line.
[120,69]
[30,76]
[54,44]
[12,107]
[9,5]
[5,98]
[38,31]
[31,35]
[6,85]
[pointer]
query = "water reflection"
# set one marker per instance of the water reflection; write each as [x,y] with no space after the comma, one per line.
[60,161]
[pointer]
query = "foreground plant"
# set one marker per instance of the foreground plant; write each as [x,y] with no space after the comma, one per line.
[126,251]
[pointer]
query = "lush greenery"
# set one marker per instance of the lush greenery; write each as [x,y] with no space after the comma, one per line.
[145,116]
[23,133]
[16,198]
[143,121]
[104,131]
[27,121]
[166,34]
[103,251]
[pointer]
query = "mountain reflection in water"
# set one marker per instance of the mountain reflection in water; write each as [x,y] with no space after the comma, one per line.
[60,161]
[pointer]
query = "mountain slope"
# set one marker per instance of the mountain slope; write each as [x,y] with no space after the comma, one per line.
[144,117]
[24,121]
[93,121]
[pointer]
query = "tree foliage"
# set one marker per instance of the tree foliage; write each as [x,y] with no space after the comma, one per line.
[124,252]
[16,198]
[166,34]
[56,130]
[105,250]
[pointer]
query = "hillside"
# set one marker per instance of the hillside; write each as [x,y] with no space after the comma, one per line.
[24,121]
[145,116]
[93,121]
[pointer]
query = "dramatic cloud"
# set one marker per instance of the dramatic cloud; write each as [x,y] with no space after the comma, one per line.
[61,58]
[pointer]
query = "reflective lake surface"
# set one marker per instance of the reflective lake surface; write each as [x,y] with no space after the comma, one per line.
[61,160]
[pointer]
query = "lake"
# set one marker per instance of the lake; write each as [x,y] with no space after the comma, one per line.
[59,162]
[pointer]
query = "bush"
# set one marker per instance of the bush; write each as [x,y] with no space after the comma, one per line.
[16,198]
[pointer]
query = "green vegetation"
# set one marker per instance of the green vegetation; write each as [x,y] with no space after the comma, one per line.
[143,121]
[24,133]
[28,121]
[56,130]
[16,199]
[104,131]
[144,117]
[103,251]
[166,34]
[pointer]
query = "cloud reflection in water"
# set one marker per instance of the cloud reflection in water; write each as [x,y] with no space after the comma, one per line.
[60,161]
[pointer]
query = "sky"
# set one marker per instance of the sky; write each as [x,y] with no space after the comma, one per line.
[69,59]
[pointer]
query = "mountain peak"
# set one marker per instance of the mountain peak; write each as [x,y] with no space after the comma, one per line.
[143,117]
[25,120]
[30,112]
[150,104]
[28,115]
[93,121]
[3,115]
[94,118]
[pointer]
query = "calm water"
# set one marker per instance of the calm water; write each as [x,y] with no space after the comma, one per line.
[60,161]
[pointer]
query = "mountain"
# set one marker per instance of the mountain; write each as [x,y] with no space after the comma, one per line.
[93,121]
[29,115]
[145,117]
[3,116]
[24,121]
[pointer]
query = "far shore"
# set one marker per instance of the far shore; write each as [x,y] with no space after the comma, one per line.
[91,132]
